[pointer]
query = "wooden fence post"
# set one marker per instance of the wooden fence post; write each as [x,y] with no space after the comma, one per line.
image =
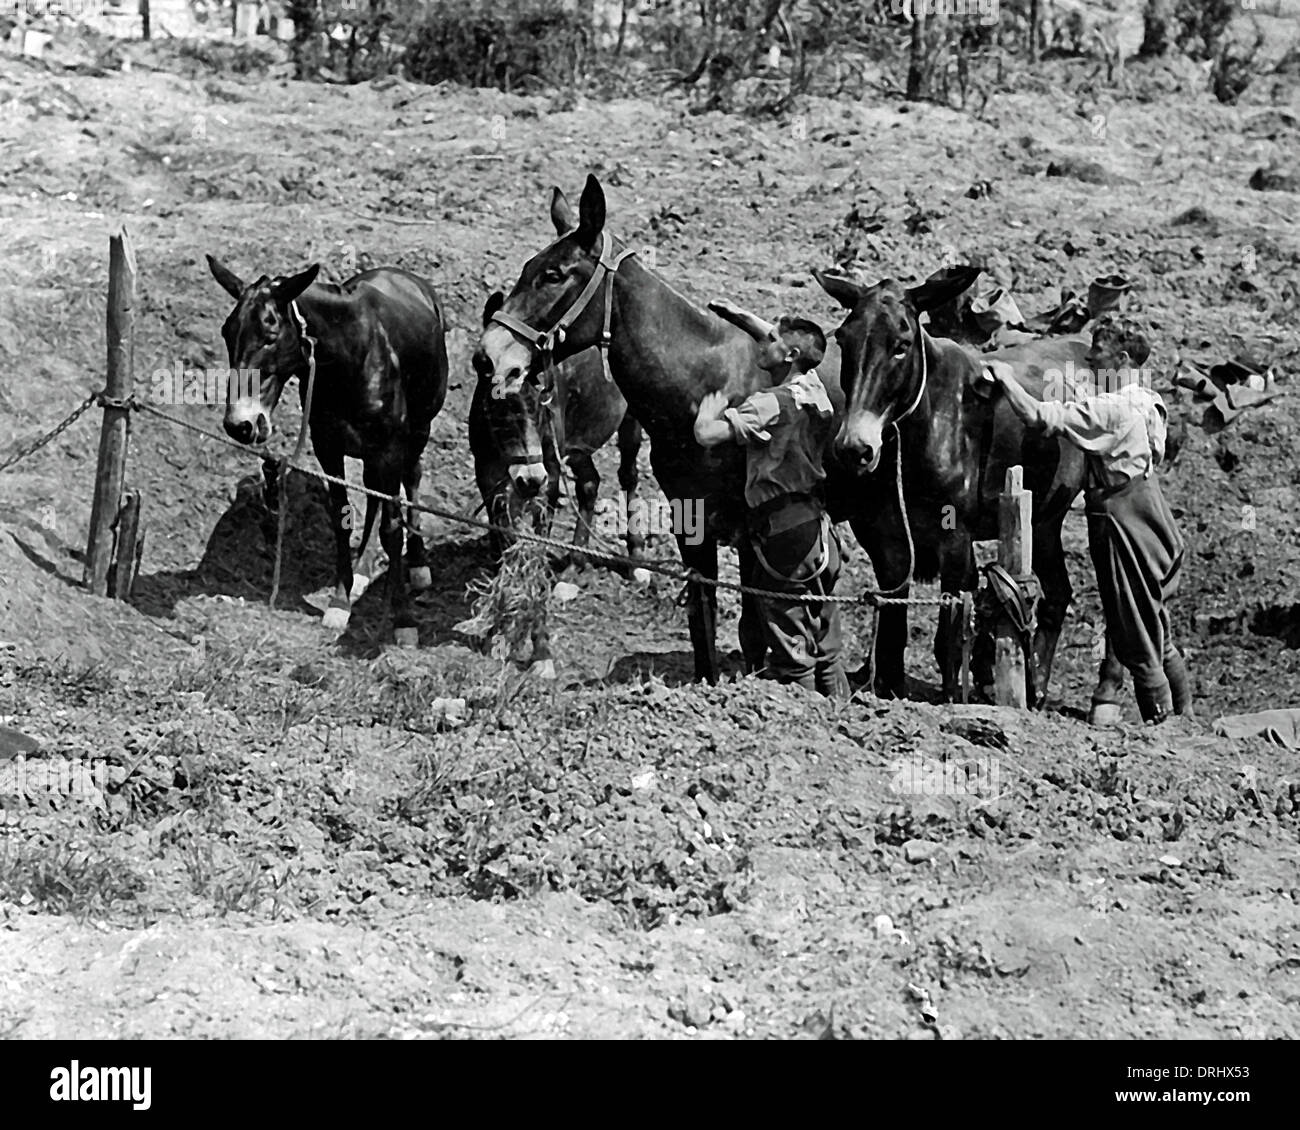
[1015,555]
[116,430]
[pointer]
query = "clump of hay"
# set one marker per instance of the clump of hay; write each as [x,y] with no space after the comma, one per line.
[508,604]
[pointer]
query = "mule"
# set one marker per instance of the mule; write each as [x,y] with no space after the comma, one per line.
[519,432]
[379,346]
[932,453]
[587,289]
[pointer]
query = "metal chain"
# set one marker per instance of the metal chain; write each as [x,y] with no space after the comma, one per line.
[54,433]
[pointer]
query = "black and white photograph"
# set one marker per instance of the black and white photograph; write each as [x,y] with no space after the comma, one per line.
[658,520]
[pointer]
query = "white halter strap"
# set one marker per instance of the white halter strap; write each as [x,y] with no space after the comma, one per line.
[920,392]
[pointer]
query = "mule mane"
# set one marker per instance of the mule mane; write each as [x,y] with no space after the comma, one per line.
[705,317]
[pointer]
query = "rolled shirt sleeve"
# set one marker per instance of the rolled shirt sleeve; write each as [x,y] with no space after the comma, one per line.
[750,419]
[1095,425]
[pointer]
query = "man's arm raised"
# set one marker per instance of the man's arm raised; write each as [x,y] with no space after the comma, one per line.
[752,324]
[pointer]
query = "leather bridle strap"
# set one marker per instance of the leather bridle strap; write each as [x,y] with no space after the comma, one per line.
[920,392]
[545,341]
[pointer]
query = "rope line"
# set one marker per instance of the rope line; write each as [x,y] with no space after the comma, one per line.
[871,597]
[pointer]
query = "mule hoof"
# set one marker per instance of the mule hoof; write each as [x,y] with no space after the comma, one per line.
[407,637]
[543,669]
[420,578]
[336,618]
[360,582]
[641,577]
[1105,714]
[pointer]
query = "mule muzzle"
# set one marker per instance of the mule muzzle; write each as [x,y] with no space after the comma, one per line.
[859,445]
[248,429]
[529,478]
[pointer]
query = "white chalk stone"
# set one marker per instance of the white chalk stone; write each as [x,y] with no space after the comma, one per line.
[1107,714]
[336,619]
[565,591]
[543,669]
[641,577]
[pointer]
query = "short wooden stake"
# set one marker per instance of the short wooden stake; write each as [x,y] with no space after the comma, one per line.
[1015,554]
[116,430]
[130,544]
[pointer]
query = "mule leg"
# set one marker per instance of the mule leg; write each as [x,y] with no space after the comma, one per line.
[496,509]
[956,571]
[1057,592]
[271,497]
[753,638]
[702,605]
[586,486]
[629,478]
[330,457]
[885,541]
[542,663]
[382,476]
[417,558]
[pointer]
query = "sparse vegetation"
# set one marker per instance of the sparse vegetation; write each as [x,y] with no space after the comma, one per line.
[308,835]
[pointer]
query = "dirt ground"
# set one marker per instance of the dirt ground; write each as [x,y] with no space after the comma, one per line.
[298,840]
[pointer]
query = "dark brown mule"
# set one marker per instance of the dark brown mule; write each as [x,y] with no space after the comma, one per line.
[381,376]
[908,391]
[665,354]
[513,432]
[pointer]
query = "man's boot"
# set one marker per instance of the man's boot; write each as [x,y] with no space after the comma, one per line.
[1155,704]
[1179,684]
[833,682]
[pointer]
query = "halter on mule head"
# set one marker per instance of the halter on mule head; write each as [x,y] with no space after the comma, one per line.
[512,418]
[882,338]
[544,342]
[259,341]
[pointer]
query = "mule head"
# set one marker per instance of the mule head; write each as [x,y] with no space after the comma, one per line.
[548,287]
[264,345]
[512,408]
[882,355]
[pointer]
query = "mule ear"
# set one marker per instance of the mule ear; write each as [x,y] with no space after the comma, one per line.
[230,282]
[494,303]
[845,291]
[562,213]
[286,290]
[591,212]
[942,287]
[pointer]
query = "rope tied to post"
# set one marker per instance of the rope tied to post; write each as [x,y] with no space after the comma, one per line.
[873,598]
[1016,599]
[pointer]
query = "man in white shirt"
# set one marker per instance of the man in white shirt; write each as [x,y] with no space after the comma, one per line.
[784,430]
[1120,425]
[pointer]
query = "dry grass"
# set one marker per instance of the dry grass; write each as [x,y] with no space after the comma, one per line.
[510,603]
